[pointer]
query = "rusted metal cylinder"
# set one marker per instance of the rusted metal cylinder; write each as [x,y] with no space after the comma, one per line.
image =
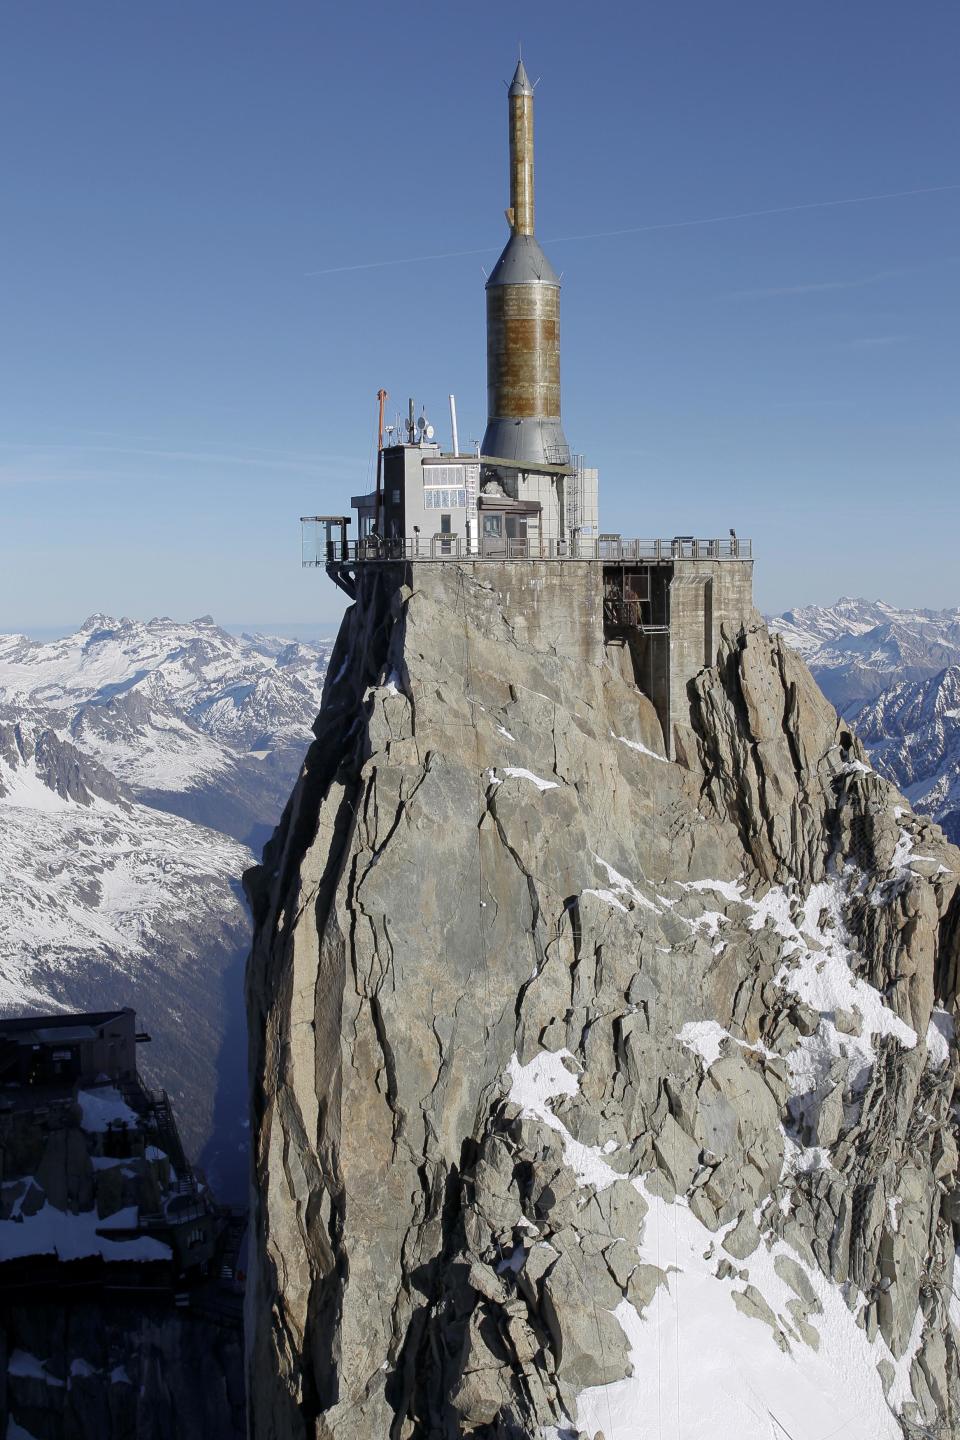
[523,351]
[521,159]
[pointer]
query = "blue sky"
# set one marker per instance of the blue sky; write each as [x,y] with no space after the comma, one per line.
[187,366]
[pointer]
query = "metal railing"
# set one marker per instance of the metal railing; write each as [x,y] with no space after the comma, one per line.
[319,550]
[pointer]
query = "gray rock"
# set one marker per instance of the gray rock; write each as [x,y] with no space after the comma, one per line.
[743,1239]
[428,926]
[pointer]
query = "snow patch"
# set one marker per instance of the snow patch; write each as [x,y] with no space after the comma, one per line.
[696,1356]
[25,1366]
[640,748]
[75,1237]
[940,1036]
[517,772]
[532,1087]
[105,1107]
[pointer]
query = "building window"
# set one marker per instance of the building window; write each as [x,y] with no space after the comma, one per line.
[444,475]
[445,525]
[395,496]
[437,498]
[446,487]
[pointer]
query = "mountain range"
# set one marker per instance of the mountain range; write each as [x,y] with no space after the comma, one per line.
[859,648]
[142,764]
[895,675]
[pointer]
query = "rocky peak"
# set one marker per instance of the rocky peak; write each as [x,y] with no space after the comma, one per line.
[560,1048]
[38,753]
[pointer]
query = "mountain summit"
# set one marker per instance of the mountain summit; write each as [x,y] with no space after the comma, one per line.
[589,1086]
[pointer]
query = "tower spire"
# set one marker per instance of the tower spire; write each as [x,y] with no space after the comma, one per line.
[523,321]
[520,214]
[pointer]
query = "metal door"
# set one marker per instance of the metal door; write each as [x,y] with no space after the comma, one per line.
[492,539]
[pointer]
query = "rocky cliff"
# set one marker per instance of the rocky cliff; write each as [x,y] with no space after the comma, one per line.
[595,1094]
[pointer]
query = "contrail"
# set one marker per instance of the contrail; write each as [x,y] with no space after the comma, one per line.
[648,229]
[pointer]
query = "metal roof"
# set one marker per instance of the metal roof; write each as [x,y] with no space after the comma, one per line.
[521,85]
[534,442]
[523,263]
[21,1024]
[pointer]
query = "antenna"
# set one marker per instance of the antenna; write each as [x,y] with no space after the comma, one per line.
[453,425]
[381,401]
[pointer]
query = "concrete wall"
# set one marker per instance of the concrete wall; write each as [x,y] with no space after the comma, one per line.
[543,489]
[551,606]
[650,656]
[706,597]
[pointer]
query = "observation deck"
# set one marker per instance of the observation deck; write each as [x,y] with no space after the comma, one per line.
[320,545]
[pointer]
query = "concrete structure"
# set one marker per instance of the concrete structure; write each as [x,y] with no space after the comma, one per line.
[527,511]
[46,1061]
[527,465]
[426,494]
[39,1050]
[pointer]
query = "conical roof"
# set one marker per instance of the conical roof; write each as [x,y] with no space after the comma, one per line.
[522,263]
[521,85]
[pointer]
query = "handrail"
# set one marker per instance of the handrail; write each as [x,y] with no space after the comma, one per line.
[441,547]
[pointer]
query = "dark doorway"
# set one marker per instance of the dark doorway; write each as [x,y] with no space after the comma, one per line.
[516,535]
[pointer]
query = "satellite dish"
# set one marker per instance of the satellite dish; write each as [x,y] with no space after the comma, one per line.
[429,432]
[422,424]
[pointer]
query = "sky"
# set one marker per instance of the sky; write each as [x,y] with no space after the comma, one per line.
[223,227]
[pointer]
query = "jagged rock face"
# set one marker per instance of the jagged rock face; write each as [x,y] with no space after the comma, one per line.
[56,764]
[589,1086]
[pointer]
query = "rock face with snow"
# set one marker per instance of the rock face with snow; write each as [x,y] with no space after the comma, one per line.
[589,1087]
[193,719]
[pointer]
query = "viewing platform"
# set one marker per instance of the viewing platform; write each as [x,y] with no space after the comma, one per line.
[325,543]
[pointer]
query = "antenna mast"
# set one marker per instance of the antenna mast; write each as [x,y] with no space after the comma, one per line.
[382,398]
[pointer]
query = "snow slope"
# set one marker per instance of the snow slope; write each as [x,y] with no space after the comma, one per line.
[107,902]
[135,760]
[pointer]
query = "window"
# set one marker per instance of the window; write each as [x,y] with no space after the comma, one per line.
[445,525]
[445,487]
[395,497]
[444,475]
[437,498]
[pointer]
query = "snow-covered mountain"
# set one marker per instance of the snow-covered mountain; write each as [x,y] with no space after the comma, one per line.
[135,761]
[859,648]
[895,675]
[193,719]
[913,734]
